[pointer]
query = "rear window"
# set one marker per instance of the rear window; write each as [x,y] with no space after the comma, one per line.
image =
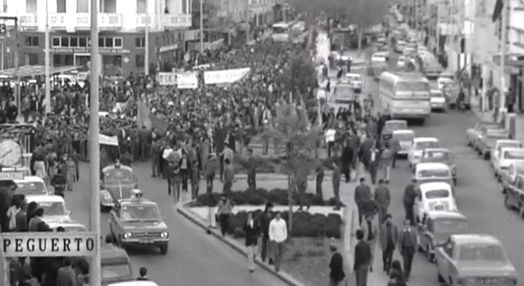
[426,145]
[433,174]
[404,136]
[31,188]
[116,271]
[437,194]
[514,155]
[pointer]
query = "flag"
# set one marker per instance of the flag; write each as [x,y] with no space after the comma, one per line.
[497,11]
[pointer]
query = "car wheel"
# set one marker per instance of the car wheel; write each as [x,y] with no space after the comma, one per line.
[429,254]
[521,210]
[163,249]
[507,203]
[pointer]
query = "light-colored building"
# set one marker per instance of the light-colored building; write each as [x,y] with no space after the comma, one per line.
[236,10]
[122,25]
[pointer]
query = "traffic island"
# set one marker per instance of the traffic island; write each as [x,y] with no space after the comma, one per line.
[307,255]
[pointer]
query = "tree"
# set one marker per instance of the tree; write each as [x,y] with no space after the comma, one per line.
[296,141]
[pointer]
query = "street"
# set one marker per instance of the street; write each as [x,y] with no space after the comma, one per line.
[194,258]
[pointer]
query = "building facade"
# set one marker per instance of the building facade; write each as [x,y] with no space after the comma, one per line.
[122,26]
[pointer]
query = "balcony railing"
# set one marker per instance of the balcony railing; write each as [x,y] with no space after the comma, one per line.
[166,21]
[83,20]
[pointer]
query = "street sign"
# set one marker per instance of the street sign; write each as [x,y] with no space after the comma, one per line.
[48,244]
[4,176]
[3,29]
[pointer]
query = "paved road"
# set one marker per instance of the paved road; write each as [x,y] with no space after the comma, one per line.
[194,257]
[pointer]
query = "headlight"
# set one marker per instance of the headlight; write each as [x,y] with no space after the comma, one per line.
[164,234]
[127,235]
[107,197]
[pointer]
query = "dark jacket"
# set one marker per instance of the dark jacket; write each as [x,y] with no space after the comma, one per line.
[337,267]
[66,277]
[410,194]
[252,233]
[362,194]
[362,254]
[263,224]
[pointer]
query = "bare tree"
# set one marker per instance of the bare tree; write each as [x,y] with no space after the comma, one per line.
[364,13]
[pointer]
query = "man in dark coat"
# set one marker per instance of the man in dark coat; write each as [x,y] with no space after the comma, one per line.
[362,259]
[362,195]
[382,199]
[410,194]
[336,266]
[263,222]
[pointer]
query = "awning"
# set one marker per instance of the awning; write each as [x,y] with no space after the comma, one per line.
[27,71]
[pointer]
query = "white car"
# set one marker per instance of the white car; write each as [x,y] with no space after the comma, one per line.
[134,283]
[435,196]
[504,143]
[54,208]
[438,100]
[433,172]
[379,57]
[31,185]
[445,79]
[355,81]
[506,157]
[419,144]
[405,138]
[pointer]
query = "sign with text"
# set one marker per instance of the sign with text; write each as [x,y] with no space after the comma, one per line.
[88,50]
[166,78]
[224,76]
[188,80]
[48,244]
[11,176]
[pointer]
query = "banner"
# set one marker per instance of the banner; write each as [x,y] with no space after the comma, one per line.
[107,140]
[188,80]
[224,76]
[166,78]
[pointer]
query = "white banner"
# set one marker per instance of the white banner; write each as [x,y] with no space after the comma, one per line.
[224,76]
[188,80]
[107,140]
[166,78]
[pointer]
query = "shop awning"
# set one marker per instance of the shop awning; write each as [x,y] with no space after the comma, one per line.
[28,71]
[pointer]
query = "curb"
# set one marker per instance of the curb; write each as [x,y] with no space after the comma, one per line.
[286,278]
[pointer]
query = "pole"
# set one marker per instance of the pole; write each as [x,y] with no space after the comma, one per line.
[146,40]
[437,31]
[201,26]
[16,64]
[47,101]
[248,26]
[3,59]
[94,148]
[502,93]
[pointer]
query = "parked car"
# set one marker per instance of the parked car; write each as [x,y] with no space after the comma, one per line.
[433,172]
[473,134]
[487,140]
[514,170]
[419,144]
[441,155]
[434,196]
[405,138]
[514,195]
[504,143]
[505,157]
[438,100]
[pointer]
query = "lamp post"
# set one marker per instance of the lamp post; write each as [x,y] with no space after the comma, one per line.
[201,25]
[47,59]
[146,41]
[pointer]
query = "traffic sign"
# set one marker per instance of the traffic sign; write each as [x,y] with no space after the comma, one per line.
[48,244]
[3,29]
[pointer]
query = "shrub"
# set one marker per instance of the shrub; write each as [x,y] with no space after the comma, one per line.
[304,224]
[262,196]
[273,164]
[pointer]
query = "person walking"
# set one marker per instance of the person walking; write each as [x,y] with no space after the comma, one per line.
[319,180]
[407,246]
[252,171]
[143,274]
[224,211]
[410,195]
[252,231]
[335,178]
[277,236]
[336,267]
[373,163]
[362,258]
[264,221]
[362,195]
[370,229]
[229,176]
[382,199]
[388,241]
[385,162]
[347,160]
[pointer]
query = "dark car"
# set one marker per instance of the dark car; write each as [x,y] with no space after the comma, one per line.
[119,181]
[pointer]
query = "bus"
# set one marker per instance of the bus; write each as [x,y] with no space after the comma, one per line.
[405,95]
[293,31]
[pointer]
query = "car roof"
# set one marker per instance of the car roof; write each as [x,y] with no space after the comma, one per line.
[508,141]
[445,214]
[112,167]
[353,74]
[43,198]
[425,139]
[28,179]
[426,187]
[403,131]
[136,202]
[432,166]
[134,283]
[462,239]
[510,149]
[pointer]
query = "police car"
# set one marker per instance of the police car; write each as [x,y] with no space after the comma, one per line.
[31,185]
[54,208]
[137,221]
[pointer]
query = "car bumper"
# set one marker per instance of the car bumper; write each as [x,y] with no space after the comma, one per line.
[144,242]
[438,105]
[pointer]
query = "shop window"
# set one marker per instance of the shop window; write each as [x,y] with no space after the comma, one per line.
[139,60]
[31,59]
[118,42]
[109,42]
[31,41]
[82,42]
[55,42]
[73,42]
[65,42]
[140,42]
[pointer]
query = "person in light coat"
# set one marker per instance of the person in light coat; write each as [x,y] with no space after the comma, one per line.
[370,229]
[277,236]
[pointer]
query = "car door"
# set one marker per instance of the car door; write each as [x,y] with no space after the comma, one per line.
[444,258]
[115,221]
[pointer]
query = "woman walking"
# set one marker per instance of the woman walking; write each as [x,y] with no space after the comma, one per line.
[252,231]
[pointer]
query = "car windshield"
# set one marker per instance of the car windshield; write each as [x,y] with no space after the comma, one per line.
[31,188]
[433,173]
[52,208]
[434,156]
[116,271]
[451,226]
[118,176]
[343,89]
[426,145]
[476,252]
[404,136]
[140,213]
[514,155]
[437,194]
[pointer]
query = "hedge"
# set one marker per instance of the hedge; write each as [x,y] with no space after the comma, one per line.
[304,224]
[273,164]
[261,197]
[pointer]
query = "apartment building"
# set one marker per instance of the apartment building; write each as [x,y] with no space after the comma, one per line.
[122,26]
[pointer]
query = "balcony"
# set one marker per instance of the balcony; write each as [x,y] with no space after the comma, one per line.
[82,21]
[28,21]
[164,21]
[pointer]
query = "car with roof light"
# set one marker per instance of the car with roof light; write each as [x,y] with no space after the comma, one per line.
[355,81]
[137,221]
[405,139]
[438,100]
[418,146]
[433,172]
[487,141]
[504,143]
[440,155]
[31,185]
[119,181]
[390,126]
[474,259]
[505,157]
[514,195]
[54,207]
[433,196]
[436,227]
[473,134]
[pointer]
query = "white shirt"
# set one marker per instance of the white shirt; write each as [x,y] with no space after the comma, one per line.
[330,135]
[166,153]
[277,230]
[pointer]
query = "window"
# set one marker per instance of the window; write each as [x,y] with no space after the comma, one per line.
[141,6]
[61,6]
[140,42]
[139,61]
[118,43]
[73,42]
[82,42]
[109,42]
[82,6]
[184,7]
[31,41]
[55,42]
[4,6]
[107,6]
[65,42]
[30,6]
[31,59]
[101,42]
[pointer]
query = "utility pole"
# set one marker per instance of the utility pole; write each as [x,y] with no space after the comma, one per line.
[146,40]
[248,26]
[502,74]
[95,273]
[47,58]
[201,25]
[437,26]
[15,60]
